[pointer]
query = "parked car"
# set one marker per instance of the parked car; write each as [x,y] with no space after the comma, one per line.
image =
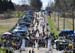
[29,12]
[20,29]
[61,43]
[25,20]
[25,24]
[66,33]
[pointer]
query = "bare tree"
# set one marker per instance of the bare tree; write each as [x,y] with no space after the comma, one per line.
[36,4]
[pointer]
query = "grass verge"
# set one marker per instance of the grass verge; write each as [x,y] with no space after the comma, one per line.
[4,29]
[8,24]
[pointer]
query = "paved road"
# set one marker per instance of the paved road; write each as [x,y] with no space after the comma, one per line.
[55,51]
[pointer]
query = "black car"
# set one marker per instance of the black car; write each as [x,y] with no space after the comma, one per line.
[61,44]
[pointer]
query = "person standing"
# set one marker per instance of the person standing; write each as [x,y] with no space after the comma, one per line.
[29,51]
[32,50]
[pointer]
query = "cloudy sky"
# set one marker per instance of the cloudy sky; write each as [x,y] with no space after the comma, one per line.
[45,2]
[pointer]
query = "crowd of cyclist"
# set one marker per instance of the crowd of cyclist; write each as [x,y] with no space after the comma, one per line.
[12,41]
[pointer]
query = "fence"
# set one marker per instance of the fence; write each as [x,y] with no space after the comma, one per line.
[62,23]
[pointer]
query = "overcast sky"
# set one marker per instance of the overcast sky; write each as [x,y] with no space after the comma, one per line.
[45,2]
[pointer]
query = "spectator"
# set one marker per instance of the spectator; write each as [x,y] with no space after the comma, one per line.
[32,50]
[29,51]
[10,51]
[7,51]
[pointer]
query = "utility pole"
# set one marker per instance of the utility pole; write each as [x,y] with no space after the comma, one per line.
[73,27]
[58,22]
[73,23]
[54,16]
[64,22]
[73,18]
[73,7]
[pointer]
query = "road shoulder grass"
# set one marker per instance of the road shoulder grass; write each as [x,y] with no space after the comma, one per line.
[8,24]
